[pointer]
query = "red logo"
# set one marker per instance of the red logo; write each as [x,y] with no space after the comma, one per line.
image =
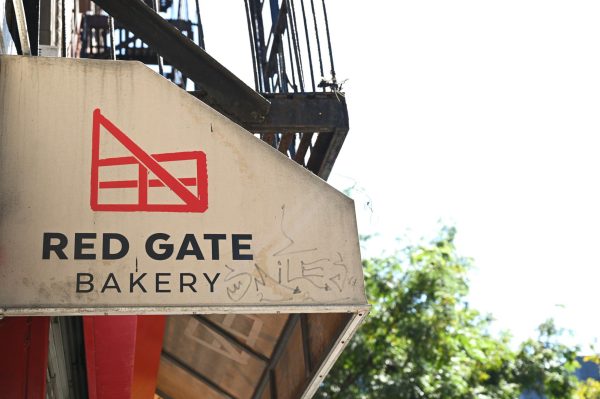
[147,164]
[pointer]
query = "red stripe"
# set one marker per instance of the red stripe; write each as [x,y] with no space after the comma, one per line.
[186,181]
[177,156]
[119,184]
[166,157]
[117,161]
[95,159]
[143,182]
[143,208]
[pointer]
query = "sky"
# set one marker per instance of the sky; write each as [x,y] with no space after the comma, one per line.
[478,114]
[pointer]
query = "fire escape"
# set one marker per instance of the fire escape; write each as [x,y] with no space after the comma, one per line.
[294,69]
[296,106]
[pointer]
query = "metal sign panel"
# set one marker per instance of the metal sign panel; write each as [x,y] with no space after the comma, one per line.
[119,192]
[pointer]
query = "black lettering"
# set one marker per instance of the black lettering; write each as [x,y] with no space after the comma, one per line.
[214,238]
[211,282]
[137,281]
[188,240]
[166,248]
[160,282]
[236,246]
[88,282]
[80,245]
[106,240]
[184,284]
[114,285]
[58,248]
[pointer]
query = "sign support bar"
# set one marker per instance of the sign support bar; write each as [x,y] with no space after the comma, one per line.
[122,355]
[24,347]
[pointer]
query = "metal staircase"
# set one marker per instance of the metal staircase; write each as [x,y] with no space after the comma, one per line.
[297,105]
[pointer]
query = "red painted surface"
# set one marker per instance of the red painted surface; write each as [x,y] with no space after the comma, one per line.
[122,355]
[149,339]
[109,352]
[147,163]
[24,348]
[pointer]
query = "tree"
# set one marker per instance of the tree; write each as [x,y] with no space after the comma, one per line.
[422,340]
[588,389]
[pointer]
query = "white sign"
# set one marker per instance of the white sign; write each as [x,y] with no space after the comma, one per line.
[120,192]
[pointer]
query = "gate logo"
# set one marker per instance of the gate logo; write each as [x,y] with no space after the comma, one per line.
[150,174]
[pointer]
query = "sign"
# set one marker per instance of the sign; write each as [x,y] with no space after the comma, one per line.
[120,192]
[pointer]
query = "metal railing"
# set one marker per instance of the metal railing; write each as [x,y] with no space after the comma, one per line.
[293,65]
[95,40]
[292,52]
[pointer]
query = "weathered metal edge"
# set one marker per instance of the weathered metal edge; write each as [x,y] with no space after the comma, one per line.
[173,310]
[335,352]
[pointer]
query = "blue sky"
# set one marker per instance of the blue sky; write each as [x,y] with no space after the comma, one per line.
[480,114]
